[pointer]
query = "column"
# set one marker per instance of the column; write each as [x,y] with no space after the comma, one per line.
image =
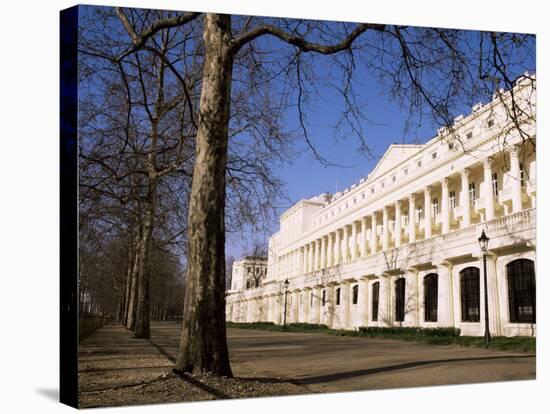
[445,303]
[412,305]
[515,179]
[488,193]
[306,298]
[493,295]
[428,212]
[330,250]
[397,229]
[345,304]
[362,302]
[345,254]
[384,315]
[311,248]
[323,253]
[316,259]
[338,248]
[373,235]
[412,219]
[304,258]
[363,236]
[353,240]
[315,311]
[465,198]
[385,229]
[445,206]
[295,306]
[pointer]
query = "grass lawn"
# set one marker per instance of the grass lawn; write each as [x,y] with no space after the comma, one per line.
[435,336]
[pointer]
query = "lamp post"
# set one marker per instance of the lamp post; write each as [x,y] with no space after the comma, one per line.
[483,243]
[284,312]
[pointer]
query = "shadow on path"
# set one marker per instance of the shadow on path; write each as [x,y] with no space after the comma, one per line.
[371,371]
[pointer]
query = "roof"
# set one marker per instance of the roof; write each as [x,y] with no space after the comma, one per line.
[394,155]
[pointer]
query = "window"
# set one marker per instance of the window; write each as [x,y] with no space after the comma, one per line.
[419,163]
[400,300]
[451,145]
[363,196]
[521,291]
[337,296]
[372,190]
[324,297]
[434,155]
[472,191]
[452,199]
[382,184]
[405,171]
[469,294]
[311,299]
[435,205]
[375,295]
[393,178]
[495,184]
[469,135]
[521,175]
[355,294]
[490,122]
[430,297]
[419,214]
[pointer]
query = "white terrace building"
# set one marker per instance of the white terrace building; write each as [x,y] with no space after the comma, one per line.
[400,248]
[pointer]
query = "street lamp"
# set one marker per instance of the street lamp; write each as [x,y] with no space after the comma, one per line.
[483,243]
[284,313]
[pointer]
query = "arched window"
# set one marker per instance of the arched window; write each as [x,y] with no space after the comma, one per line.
[400,300]
[375,295]
[430,297]
[469,294]
[521,291]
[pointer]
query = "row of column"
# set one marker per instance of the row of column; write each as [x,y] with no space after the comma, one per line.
[334,248]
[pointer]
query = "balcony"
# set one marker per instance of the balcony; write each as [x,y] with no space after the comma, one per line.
[505,196]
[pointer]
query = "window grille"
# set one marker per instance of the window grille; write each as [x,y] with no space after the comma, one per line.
[435,205]
[521,175]
[452,199]
[400,300]
[430,298]
[469,294]
[472,191]
[521,291]
[495,184]
[375,297]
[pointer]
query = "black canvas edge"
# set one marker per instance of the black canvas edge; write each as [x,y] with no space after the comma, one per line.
[68,221]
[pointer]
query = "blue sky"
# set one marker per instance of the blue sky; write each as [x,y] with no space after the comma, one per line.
[306,177]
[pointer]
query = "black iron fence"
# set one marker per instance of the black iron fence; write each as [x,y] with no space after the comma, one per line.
[89,323]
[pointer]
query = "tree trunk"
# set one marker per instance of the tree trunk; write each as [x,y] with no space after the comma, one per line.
[203,344]
[132,302]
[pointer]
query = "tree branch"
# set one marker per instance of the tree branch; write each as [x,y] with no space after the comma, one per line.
[300,42]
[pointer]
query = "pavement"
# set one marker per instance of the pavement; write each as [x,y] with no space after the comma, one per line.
[111,361]
[326,363]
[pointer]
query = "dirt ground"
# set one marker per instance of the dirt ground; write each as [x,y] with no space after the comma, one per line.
[116,369]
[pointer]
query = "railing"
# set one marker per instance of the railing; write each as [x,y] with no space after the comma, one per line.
[493,227]
[89,323]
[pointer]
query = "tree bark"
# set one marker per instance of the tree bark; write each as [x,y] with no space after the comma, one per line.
[203,346]
[143,309]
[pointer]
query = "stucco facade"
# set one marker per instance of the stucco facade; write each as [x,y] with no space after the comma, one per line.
[400,247]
